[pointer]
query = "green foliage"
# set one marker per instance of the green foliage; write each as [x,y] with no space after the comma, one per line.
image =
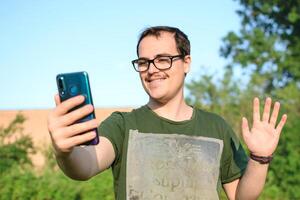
[222,98]
[53,184]
[268,41]
[19,179]
[14,146]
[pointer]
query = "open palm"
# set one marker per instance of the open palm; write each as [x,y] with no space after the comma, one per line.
[262,139]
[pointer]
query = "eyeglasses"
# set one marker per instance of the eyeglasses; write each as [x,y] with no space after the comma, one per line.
[160,62]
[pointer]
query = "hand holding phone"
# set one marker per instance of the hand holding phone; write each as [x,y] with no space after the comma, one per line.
[73,121]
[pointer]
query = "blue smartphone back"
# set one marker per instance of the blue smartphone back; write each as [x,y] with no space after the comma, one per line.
[74,84]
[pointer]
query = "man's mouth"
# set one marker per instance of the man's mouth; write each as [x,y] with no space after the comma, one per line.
[155,80]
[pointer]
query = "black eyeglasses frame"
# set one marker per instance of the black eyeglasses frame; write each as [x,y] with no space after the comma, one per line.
[152,61]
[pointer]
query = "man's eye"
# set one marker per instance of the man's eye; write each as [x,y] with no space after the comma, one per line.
[163,59]
[142,62]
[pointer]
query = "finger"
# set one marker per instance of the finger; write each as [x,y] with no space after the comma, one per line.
[80,139]
[256,115]
[57,99]
[79,128]
[275,114]
[245,128]
[266,114]
[281,124]
[75,115]
[67,105]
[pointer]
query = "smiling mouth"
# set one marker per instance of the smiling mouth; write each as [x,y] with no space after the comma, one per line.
[157,79]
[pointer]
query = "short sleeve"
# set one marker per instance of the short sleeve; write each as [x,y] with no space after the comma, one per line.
[234,159]
[113,129]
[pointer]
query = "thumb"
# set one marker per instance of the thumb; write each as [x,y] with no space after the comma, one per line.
[245,128]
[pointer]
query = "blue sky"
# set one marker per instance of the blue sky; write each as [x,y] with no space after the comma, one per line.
[39,39]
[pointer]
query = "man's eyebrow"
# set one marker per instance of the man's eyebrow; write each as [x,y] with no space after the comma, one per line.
[143,58]
[158,55]
[163,54]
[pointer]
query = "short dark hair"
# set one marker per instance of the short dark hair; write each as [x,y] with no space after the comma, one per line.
[181,39]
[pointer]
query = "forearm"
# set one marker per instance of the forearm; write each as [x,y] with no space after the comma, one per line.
[252,182]
[80,163]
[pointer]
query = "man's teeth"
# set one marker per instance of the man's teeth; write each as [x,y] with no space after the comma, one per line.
[160,79]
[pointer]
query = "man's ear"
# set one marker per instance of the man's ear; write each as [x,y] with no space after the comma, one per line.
[187,63]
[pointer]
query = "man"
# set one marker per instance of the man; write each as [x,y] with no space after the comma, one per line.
[166,149]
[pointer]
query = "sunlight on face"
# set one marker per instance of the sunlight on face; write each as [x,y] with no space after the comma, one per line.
[162,85]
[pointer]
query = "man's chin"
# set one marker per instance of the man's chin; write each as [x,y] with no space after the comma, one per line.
[158,99]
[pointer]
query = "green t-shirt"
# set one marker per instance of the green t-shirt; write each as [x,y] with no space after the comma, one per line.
[157,158]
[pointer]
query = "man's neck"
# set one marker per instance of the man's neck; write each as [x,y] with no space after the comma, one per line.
[175,109]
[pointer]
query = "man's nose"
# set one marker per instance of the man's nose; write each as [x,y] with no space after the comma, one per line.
[152,69]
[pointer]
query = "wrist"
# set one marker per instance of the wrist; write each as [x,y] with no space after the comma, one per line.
[261,159]
[61,154]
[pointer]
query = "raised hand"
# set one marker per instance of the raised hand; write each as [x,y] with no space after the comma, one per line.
[264,135]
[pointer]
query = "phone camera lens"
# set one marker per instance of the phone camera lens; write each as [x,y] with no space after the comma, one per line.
[60,83]
[73,90]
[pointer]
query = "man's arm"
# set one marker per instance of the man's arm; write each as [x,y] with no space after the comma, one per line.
[83,162]
[251,183]
[77,162]
[262,141]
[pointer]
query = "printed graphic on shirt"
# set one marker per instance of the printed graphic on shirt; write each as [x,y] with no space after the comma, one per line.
[172,167]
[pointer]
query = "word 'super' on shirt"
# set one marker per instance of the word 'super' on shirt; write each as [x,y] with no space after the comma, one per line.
[160,159]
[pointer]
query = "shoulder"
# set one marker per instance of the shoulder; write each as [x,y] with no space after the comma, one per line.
[211,118]
[125,115]
[215,124]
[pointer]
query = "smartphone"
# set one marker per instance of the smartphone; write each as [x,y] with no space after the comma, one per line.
[74,84]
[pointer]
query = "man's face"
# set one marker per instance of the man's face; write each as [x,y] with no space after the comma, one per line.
[163,85]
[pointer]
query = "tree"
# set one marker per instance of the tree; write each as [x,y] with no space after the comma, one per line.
[14,145]
[268,42]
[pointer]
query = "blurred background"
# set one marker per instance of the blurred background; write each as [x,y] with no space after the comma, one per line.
[240,49]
